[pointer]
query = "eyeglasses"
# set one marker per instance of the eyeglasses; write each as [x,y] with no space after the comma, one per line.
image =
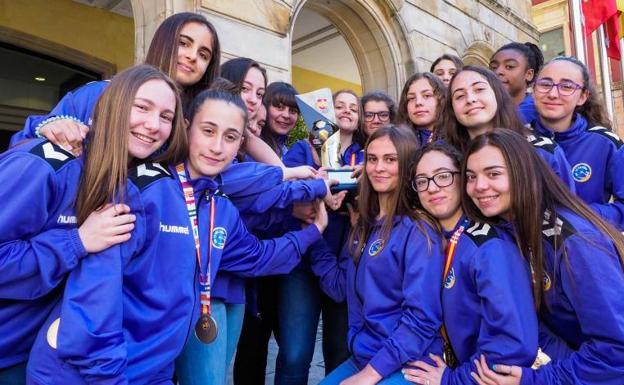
[441,179]
[565,88]
[382,115]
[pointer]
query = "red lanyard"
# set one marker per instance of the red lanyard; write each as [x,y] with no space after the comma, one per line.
[451,248]
[189,197]
[353,159]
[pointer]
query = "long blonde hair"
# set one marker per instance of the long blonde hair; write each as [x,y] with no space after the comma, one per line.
[106,161]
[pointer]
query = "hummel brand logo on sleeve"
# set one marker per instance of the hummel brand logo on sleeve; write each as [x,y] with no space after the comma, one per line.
[66,219]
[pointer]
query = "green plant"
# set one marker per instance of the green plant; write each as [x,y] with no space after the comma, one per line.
[299,132]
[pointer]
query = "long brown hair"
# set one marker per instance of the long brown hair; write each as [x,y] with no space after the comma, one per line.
[277,94]
[358,135]
[105,171]
[506,115]
[593,109]
[235,70]
[163,51]
[399,203]
[438,90]
[534,189]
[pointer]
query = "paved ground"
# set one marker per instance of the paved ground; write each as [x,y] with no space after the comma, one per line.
[317,369]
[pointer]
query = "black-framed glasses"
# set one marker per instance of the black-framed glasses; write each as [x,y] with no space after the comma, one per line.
[565,87]
[382,115]
[441,179]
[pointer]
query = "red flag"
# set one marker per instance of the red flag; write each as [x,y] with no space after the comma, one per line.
[612,40]
[597,12]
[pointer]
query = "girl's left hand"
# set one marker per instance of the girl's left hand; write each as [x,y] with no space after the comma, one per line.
[501,375]
[426,374]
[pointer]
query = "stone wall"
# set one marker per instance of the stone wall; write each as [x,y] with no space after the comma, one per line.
[390,39]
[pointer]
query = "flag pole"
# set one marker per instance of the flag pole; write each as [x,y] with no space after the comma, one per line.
[579,36]
[605,72]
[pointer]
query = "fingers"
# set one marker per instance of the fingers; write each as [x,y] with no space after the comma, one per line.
[437,360]
[119,209]
[340,198]
[476,378]
[122,229]
[416,376]
[487,375]
[84,130]
[124,219]
[73,134]
[481,367]
[66,133]
[424,366]
[119,239]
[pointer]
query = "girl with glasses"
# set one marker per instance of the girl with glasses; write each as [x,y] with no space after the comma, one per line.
[487,303]
[378,110]
[389,271]
[421,104]
[477,103]
[576,259]
[517,65]
[571,112]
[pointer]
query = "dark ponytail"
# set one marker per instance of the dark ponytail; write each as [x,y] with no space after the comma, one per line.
[531,52]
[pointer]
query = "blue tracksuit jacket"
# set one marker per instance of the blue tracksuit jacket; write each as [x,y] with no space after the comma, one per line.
[554,156]
[393,294]
[261,209]
[526,109]
[597,158]
[300,154]
[126,312]
[487,303]
[39,241]
[583,311]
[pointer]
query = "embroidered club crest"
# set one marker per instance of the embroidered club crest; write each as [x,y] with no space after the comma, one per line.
[376,247]
[547,283]
[219,235]
[581,172]
[449,282]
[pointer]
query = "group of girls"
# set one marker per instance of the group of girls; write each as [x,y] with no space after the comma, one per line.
[464,257]
[112,268]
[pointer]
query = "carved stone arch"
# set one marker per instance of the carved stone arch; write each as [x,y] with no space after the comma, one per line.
[376,36]
[478,53]
[148,14]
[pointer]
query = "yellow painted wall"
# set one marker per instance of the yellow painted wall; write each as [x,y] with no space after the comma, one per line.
[93,31]
[305,80]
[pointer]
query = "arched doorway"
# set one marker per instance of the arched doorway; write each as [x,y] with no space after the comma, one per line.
[374,35]
[313,38]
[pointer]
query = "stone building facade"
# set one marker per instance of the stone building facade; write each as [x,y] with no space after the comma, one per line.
[381,42]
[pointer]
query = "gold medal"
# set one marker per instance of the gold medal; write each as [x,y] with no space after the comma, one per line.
[206,329]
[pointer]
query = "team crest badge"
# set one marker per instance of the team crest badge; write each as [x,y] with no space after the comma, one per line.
[219,236]
[581,172]
[546,282]
[449,282]
[376,247]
